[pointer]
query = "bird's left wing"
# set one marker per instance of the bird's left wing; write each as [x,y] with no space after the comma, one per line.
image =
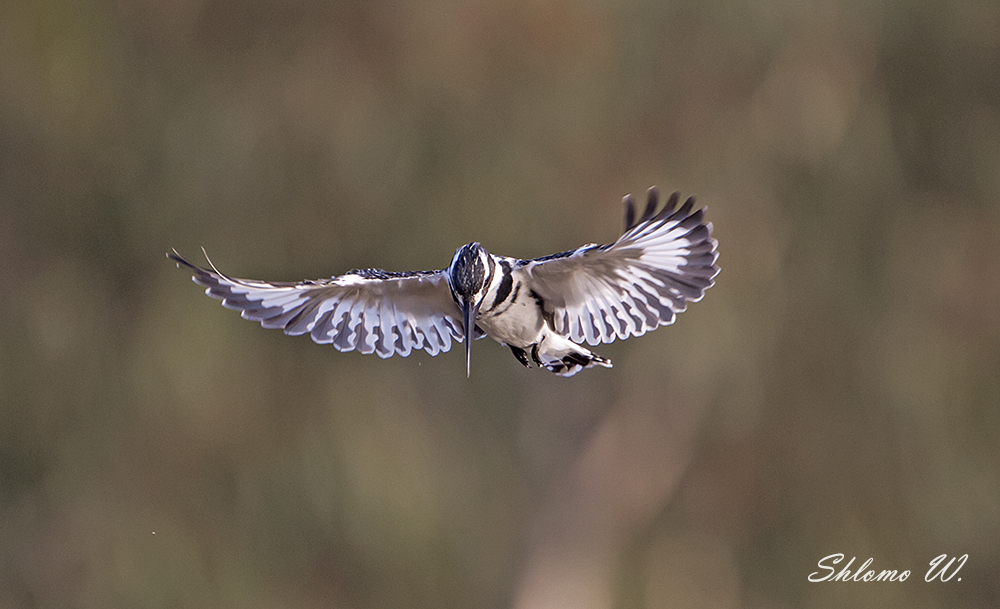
[371,310]
[598,293]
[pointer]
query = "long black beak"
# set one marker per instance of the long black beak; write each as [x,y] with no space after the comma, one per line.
[469,316]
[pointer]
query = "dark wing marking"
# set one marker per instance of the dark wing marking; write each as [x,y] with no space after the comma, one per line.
[597,293]
[565,254]
[381,274]
[371,310]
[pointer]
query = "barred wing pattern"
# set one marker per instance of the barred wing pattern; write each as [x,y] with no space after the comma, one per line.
[597,293]
[371,310]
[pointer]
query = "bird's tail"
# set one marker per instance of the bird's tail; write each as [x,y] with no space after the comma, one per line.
[564,357]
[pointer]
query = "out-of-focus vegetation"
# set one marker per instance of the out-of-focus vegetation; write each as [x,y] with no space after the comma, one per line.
[837,391]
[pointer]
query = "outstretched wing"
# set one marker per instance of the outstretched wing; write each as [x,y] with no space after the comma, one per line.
[371,310]
[598,293]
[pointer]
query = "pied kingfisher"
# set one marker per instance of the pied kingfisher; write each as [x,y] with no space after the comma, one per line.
[540,308]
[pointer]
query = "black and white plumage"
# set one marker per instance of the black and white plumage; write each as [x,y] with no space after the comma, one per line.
[541,308]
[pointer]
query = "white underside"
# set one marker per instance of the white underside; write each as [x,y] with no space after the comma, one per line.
[522,325]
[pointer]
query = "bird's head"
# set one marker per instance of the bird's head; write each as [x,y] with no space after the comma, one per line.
[469,273]
[469,278]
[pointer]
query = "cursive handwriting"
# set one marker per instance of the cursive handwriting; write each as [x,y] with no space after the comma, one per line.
[944,570]
[861,575]
[941,569]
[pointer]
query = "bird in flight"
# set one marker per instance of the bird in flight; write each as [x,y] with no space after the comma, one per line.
[542,309]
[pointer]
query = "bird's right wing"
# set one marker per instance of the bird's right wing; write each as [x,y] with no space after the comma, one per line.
[371,310]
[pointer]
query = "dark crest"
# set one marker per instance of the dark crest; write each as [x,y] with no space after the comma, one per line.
[468,274]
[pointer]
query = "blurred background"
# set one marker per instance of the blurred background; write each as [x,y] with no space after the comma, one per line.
[837,391]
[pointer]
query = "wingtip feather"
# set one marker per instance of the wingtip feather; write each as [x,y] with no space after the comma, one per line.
[629,211]
[652,200]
